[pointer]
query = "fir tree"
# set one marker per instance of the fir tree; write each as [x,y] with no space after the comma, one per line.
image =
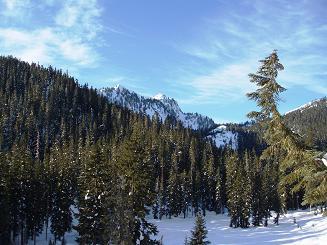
[136,171]
[210,181]
[4,201]
[199,233]
[233,191]
[297,166]
[174,188]
[63,192]
[194,174]
[93,183]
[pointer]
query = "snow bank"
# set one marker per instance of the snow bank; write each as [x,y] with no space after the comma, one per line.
[310,229]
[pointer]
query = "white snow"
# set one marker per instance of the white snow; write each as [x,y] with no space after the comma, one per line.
[159,96]
[164,106]
[222,137]
[222,127]
[310,229]
[323,160]
[160,104]
[313,103]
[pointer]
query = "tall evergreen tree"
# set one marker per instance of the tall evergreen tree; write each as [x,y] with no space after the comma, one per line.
[136,171]
[195,175]
[210,174]
[199,233]
[93,182]
[4,201]
[64,191]
[174,188]
[233,192]
[297,165]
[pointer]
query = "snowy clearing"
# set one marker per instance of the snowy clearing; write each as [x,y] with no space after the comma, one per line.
[310,229]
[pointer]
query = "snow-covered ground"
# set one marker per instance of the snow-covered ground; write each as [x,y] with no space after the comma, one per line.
[310,230]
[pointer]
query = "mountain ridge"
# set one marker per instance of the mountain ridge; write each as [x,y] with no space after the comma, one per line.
[165,106]
[159,103]
[309,121]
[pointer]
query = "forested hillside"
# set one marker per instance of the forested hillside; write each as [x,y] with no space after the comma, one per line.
[310,122]
[64,145]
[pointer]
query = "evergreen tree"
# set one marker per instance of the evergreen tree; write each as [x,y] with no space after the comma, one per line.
[93,183]
[210,181]
[256,186]
[4,201]
[194,175]
[64,191]
[246,194]
[174,188]
[238,191]
[219,207]
[199,233]
[136,171]
[233,191]
[297,166]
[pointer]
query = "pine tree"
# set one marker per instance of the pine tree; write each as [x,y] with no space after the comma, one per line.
[219,208]
[233,189]
[93,183]
[199,233]
[136,171]
[246,194]
[4,201]
[174,188]
[238,190]
[297,166]
[257,207]
[156,207]
[194,175]
[64,190]
[210,175]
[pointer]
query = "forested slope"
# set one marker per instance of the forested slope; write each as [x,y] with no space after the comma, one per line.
[310,122]
[64,145]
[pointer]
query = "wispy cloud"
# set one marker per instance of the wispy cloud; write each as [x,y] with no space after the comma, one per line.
[80,17]
[225,84]
[231,45]
[15,8]
[67,40]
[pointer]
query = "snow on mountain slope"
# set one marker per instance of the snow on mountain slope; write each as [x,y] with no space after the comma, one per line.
[222,137]
[159,103]
[165,106]
[314,103]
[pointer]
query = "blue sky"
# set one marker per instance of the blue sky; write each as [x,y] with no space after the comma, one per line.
[198,52]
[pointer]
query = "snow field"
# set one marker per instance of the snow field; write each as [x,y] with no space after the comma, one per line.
[309,229]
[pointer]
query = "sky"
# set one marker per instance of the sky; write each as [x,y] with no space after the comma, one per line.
[198,52]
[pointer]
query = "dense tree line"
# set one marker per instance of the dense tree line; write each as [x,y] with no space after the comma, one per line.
[310,123]
[67,153]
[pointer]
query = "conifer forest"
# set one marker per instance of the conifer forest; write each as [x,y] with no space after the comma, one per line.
[68,154]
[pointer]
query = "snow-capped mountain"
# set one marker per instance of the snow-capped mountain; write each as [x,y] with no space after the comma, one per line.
[160,104]
[315,103]
[165,106]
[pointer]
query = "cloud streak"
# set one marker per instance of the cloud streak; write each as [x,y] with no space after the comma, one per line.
[67,40]
[232,44]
